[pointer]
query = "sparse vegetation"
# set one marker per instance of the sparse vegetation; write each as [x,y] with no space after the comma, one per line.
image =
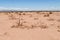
[19,24]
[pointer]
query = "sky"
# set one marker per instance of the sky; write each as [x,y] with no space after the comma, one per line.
[30,4]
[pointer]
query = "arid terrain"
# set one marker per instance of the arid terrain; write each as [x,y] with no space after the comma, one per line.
[30,25]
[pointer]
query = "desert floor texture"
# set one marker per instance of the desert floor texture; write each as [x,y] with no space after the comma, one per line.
[29,25]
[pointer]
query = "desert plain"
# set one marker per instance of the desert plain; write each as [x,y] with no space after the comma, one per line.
[30,25]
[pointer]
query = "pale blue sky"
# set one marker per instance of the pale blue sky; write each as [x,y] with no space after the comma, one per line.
[30,4]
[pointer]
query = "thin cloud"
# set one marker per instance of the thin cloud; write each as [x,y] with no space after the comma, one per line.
[5,8]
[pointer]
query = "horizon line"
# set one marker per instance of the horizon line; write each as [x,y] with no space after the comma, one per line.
[29,10]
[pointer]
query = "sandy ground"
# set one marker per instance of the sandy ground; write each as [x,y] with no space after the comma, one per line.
[30,26]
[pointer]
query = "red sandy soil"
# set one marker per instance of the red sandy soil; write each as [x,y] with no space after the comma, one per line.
[30,26]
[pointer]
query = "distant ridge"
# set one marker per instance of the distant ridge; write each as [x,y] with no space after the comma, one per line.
[30,10]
